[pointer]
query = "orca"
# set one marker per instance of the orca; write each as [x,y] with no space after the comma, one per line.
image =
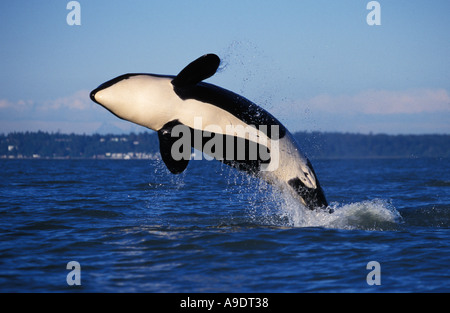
[185,111]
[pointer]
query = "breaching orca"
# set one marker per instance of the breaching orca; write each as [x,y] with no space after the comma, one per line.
[187,112]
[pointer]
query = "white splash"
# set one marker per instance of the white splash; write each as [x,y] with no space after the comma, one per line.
[376,214]
[269,206]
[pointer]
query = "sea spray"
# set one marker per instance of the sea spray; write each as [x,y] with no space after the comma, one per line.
[253,201]
[268,206]
[376,214]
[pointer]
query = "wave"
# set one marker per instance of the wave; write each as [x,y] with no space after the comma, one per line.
[377,214]
[271,207]
[285,211]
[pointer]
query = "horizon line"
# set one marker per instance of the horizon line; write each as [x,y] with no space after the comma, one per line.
[151,132]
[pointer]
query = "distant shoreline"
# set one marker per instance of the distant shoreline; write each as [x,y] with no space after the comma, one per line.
[145,146]
[101,158]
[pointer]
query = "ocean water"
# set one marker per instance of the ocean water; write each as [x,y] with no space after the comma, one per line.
[134,227]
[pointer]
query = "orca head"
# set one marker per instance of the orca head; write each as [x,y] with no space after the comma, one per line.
[150,100]
[307,186]
[140,98]
[312,198]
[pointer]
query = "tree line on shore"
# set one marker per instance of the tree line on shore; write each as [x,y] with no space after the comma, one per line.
[145,145]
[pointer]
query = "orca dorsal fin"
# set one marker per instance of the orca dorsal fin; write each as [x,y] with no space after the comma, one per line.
[166,142]
[196,71]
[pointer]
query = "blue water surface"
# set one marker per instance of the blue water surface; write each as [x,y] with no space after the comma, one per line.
[134,227]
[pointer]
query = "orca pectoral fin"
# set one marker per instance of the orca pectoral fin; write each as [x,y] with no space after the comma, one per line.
[175,160]
[198,70]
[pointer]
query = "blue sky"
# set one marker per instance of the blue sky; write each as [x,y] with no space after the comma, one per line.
[316,65]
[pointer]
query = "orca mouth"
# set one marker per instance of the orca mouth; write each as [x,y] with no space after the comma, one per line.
[107,84]
[92,95]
